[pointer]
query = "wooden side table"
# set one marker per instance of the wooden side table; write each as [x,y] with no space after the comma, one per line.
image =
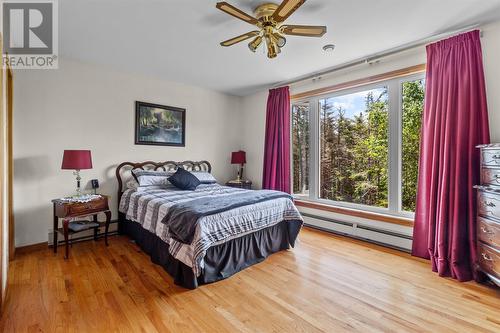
[246,184]
[68,210]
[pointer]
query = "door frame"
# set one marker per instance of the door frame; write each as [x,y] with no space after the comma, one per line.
[2,182]
[6,172]
[10,161]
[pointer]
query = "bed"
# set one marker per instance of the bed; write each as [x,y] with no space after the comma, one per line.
[247,227]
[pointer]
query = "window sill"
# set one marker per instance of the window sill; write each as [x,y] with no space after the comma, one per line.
[407,222]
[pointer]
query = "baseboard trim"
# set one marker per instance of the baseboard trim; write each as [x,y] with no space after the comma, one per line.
[45,245]
[31,248]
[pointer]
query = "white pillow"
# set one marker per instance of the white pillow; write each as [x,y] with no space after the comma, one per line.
[151,177]
[204,177]
[133,185]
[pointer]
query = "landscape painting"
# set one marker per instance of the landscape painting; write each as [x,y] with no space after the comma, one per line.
[159,125]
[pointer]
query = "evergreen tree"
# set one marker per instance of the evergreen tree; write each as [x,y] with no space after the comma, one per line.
[354,150]
[413,105]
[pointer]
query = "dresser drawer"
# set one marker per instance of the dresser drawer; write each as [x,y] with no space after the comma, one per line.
[488,204]
[79,208]
[490,176]
[490,157]
[488,232]
[489,259]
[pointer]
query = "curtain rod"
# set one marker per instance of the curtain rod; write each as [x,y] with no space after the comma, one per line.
[377,56]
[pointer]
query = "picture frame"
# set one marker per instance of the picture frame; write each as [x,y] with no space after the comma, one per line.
[159,125]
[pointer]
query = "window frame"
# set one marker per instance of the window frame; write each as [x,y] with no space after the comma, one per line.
[395,110]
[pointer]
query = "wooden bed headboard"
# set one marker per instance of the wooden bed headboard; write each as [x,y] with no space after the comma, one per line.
[126,167]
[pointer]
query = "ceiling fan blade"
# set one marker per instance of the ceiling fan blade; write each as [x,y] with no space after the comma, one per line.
[286,9]
[303,30]
[233,11]
[240,38]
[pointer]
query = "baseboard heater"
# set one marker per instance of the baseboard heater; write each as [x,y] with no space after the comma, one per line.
[393,239]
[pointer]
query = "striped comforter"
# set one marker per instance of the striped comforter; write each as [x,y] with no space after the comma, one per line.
[149,207]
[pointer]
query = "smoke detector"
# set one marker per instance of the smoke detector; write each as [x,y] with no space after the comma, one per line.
[329,47]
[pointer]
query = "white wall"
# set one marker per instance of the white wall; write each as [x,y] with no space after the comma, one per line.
[254,106]
[82,106]
[252,135]
[253,113]
[491,58]
[253,110]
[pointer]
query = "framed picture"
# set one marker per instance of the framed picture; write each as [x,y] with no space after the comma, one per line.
[159,125]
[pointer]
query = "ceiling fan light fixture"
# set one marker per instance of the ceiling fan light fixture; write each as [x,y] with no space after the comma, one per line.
[255,43]
[272,48]
[279,39]
[269,19]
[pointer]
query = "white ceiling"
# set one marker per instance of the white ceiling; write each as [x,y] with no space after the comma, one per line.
[178,40]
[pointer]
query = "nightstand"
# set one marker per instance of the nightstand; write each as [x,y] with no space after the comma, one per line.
[246,184]
[68,210]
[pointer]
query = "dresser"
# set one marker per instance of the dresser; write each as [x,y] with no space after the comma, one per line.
[488,210]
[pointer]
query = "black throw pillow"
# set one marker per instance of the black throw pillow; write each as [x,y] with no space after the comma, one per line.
[184,180]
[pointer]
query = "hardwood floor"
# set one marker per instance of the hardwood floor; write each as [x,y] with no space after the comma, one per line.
[326,284]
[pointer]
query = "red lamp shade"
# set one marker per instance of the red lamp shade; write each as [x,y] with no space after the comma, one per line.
[238,157]
[77,160]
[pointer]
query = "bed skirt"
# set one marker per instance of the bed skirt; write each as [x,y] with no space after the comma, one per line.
[221,261]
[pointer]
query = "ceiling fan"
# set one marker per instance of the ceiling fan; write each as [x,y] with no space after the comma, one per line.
[269,18]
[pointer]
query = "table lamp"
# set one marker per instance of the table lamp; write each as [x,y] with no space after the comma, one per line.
[77,160]
[239,157]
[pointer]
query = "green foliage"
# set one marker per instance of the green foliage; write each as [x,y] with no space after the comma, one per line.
[300,145]
[354,150]
[150,116]
[413,105]
[354,153]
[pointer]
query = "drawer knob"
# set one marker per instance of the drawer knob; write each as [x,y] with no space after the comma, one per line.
[486,257]
[486,231]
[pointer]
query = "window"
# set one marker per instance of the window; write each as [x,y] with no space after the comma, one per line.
[359,147]
[412,107]
[353,148]
[300,144]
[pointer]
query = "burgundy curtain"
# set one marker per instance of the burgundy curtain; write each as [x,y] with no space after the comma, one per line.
[276,174]
[455,121]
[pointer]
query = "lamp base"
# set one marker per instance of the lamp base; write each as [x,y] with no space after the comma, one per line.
[78,179]
[240,174]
